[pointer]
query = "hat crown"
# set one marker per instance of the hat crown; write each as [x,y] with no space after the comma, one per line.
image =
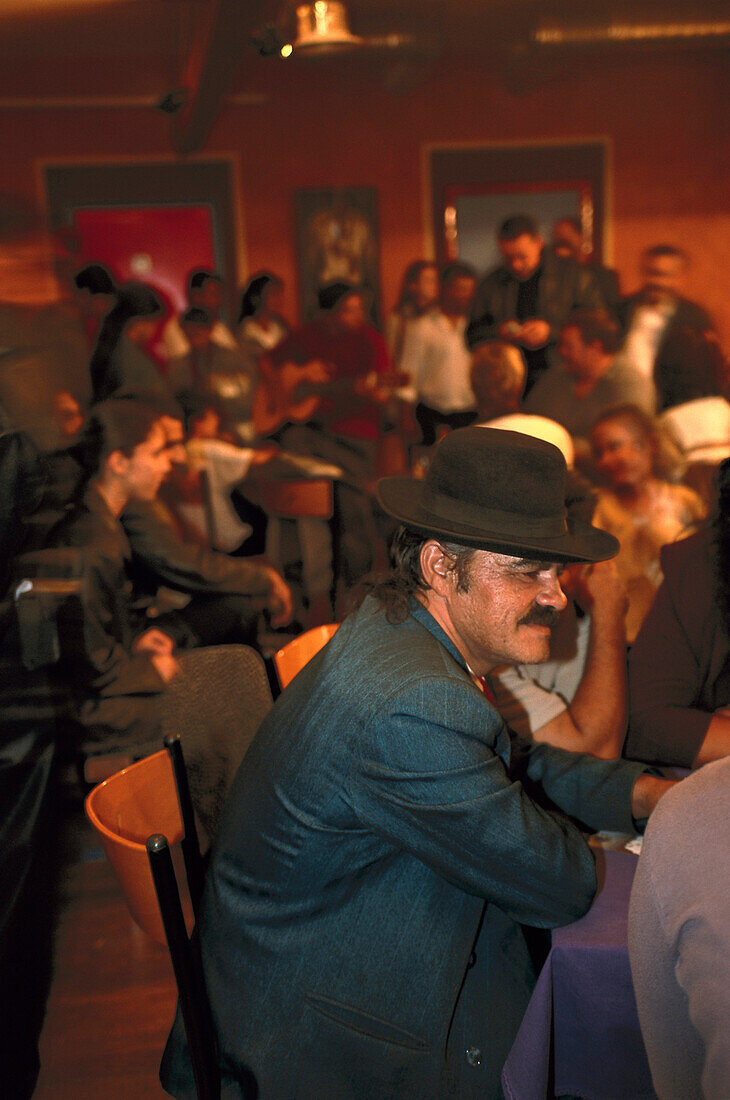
[500,471]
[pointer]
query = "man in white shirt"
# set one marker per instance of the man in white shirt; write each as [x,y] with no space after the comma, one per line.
[437,359]
[669,339]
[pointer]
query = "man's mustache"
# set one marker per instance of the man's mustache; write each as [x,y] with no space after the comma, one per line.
[540,616]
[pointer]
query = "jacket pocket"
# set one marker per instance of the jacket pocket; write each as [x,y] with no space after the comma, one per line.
[356,1020]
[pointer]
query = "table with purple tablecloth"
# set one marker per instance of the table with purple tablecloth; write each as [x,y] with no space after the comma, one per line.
[580,1035]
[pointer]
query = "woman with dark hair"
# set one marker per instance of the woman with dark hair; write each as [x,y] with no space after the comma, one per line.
[260,325]
[120,361]
[419,292]
[637,504]
[679,667]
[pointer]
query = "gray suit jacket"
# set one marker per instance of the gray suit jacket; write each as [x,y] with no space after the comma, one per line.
[361,928]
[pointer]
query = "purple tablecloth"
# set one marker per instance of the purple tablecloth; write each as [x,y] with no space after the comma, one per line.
[582,1011]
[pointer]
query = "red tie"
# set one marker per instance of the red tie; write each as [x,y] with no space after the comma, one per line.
[487,690]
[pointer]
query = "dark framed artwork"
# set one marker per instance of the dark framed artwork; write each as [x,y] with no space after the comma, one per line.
[337,239]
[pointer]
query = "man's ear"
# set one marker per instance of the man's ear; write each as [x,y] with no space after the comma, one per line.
[117,463]
[437,567]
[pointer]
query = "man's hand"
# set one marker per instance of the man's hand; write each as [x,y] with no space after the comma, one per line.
[166,665]
[535,333]
[601,591]
[648,789]
[154,641]
[510,330]
[280,600]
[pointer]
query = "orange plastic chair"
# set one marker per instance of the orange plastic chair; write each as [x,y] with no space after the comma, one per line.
[125,810]
[138,813]
[293,656]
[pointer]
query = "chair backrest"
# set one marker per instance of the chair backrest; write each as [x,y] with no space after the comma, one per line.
[138,813]
[208,510]
[125,810]
[293,656]
[42,582]
[188,968]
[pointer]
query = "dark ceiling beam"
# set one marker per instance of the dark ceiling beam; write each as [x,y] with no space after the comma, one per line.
[219,40]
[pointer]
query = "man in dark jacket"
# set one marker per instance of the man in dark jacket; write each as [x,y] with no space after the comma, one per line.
[668,337]
[527,299]
[385,839]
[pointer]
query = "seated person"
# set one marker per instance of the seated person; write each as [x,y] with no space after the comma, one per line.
[120,667]
[118,663]
[639,507]
[679,939]
[679,666]
[362,927]
[589,379]
[226,595]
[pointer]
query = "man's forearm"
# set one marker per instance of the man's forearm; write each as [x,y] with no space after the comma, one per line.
[599,706]
[648,789]
[716,743]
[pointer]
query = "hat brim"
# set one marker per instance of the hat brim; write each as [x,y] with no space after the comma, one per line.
[401,497]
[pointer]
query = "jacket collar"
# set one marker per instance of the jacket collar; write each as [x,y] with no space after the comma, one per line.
[425,618]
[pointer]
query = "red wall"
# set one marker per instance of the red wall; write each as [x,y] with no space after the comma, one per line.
[328,124]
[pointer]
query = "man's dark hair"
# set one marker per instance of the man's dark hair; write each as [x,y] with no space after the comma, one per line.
[396,589]
[596,325]
[200,277]
[656,251]
[517,226]
[96,279]
[456,271]
[330,295]
[113,425]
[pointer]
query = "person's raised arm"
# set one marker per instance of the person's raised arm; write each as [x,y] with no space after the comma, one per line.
[595,720]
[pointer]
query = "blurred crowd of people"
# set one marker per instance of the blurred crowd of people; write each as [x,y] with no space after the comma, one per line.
[134,446]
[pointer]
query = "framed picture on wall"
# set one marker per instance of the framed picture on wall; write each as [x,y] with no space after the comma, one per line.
[337,239]
[473,215]
[474,189]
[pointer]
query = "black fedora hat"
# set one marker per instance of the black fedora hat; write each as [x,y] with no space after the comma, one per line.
[496,490]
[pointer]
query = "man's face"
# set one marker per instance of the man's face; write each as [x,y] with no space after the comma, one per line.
[522,255]
[209,296]
[506,612]
[148,465]
[350,313]
[624,458]
[662,277]
[567,242]
[574,352]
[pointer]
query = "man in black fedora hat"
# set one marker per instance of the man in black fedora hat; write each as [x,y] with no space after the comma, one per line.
[386,839]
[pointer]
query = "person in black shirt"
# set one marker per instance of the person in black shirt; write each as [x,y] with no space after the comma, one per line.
[527,299]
